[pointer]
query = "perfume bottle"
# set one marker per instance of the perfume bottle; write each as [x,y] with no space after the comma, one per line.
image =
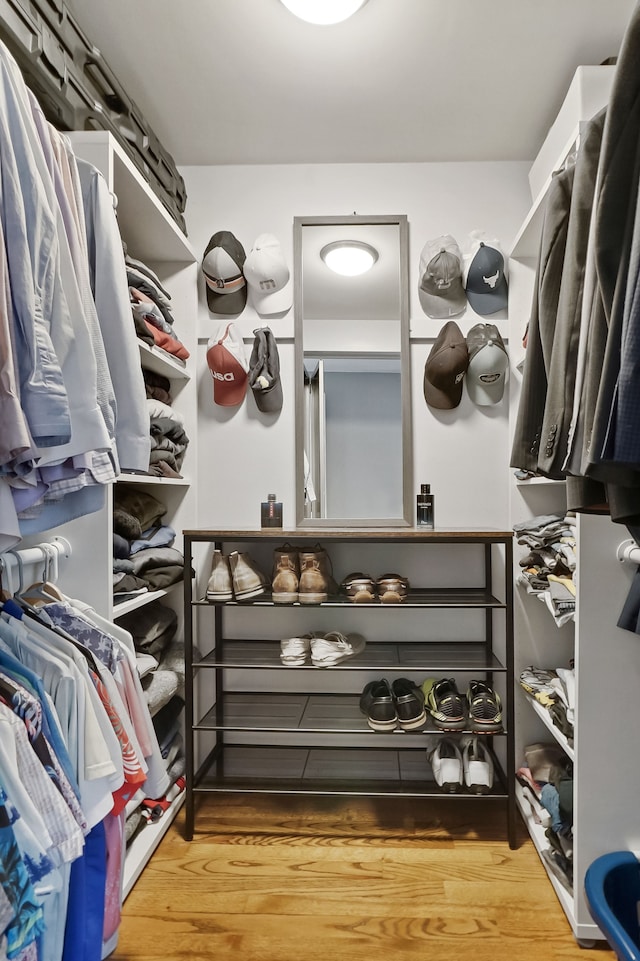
[425,507]
[271,512]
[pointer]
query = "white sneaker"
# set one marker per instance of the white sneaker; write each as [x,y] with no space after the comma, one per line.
[335,647]
[295,650]
[477,765]
[446,762]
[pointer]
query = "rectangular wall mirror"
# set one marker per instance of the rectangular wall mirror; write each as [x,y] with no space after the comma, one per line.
[353,392]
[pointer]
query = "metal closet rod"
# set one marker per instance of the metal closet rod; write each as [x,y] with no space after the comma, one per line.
[48,552]
[628,551]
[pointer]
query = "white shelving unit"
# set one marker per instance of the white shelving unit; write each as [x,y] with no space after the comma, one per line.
[153,237]
[607,659]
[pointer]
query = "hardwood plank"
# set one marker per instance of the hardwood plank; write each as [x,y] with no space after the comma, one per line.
[299,879]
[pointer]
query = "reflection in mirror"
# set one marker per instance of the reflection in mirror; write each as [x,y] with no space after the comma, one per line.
[353,412]
[353,400]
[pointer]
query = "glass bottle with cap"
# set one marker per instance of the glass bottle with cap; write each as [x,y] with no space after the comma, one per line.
[425,507]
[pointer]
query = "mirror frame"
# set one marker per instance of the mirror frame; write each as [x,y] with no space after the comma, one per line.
[406,519]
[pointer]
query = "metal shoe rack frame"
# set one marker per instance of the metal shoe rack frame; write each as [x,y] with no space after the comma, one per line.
[304,741]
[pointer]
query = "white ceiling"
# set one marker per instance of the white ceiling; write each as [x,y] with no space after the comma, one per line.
[244,81]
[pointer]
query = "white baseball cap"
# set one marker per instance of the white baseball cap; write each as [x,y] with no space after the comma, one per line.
[268,276]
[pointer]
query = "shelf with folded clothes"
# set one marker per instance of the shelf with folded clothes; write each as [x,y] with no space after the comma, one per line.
[547,720]
[162,362]
[126,478]
[429,657]
[133,602]
[368,771]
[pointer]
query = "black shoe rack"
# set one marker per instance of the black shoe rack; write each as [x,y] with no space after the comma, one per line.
[255,725]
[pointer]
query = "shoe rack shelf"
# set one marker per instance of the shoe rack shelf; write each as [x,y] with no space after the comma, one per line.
[256,725]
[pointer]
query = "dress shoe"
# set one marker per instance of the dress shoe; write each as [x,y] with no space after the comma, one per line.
[359,588]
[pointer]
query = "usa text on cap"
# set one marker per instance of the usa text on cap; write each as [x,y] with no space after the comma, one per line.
[227,362]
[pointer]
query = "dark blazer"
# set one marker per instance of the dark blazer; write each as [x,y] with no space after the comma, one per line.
[542,322]
[559,404]
[617,193]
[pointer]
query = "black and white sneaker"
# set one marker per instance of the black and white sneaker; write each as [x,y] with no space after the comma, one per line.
[446,705]
[485,709]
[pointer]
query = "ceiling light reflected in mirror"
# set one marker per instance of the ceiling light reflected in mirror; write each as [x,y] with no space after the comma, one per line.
[323,11]
[350,258]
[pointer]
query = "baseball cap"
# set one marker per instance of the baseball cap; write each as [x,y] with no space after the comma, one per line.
[227,362]
[268,276]
[264,372]
[440,289]
[484,276]
[445,368]
[488,363]
[222,264]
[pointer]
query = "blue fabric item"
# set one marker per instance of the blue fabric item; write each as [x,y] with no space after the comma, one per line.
[85,911]
[551,801]
[612,892]
[28,921]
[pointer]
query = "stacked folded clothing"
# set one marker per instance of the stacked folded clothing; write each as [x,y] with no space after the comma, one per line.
[152,310]
[143,556]
[555,691]
[548,567]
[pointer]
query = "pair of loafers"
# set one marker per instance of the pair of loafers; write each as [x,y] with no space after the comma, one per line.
[362,589]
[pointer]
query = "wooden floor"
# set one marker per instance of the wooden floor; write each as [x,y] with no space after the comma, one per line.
[325,879]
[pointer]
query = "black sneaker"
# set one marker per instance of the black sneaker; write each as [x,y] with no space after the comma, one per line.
[377,702]
[409,701]
[485,709]
[446,705]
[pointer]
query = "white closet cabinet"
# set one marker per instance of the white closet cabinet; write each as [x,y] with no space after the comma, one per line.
[607,659]
[153,237]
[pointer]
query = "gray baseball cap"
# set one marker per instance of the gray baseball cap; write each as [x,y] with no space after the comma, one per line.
[440,288]
[222,266]
[264,372]
[488,364]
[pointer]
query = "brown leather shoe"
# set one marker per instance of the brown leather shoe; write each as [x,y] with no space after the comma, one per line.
[392,588]
[286,572]
[248,579]
[316,580]
[360,588]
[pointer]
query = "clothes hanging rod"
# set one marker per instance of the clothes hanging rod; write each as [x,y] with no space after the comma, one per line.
[628,551]
[49,553]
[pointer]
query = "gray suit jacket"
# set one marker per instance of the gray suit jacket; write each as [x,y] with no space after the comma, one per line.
[559,404]
[542,323]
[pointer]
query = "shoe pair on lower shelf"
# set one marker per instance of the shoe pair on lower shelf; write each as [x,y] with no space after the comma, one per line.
[390,705]
[449,708]
[468,763]
[323,650]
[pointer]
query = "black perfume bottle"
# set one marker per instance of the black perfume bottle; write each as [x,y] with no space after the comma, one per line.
[425,507]
[271,512]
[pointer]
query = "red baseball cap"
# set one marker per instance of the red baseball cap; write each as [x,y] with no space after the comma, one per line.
[228,365]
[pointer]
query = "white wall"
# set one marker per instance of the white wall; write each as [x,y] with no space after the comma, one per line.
[244,454]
